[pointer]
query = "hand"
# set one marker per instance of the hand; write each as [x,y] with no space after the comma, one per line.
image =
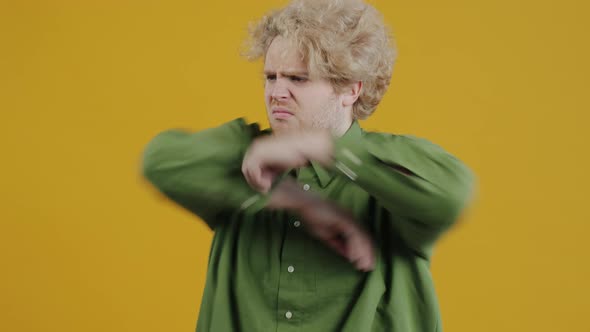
[326,221]
[337,228]
[270,156]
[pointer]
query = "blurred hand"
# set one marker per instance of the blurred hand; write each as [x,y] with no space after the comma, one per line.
[337,228]
[328,222]
[270,156]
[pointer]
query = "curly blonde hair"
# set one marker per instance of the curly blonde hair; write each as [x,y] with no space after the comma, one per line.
[343,41]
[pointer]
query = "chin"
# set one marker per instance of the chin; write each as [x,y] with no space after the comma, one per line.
[282,127]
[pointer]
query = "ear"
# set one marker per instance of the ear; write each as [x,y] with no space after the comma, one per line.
[351,93]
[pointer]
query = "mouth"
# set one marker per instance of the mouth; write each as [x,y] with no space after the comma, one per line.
[281,113]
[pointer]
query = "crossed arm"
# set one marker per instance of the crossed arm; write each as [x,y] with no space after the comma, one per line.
[218,169]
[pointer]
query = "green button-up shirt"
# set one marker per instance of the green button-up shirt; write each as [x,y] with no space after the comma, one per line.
[267,274]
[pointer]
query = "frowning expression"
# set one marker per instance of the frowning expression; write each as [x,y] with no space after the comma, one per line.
[296,100]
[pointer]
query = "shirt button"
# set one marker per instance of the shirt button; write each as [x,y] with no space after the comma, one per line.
[306,187]
[291,269]
[297,223]
[288,314]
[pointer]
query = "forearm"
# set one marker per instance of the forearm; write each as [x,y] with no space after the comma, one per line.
[201,171]
[411,177]
[430,188]
[422,187]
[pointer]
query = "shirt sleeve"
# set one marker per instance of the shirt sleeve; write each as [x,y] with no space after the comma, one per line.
[201,171]
[423,188]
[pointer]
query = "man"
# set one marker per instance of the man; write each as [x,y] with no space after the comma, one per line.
[319,225]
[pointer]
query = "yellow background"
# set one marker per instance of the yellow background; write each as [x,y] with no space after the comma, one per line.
[86,245]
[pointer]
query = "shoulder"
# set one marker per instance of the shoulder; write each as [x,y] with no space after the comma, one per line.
[400,140]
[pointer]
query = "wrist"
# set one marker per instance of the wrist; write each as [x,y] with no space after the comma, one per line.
[317,146]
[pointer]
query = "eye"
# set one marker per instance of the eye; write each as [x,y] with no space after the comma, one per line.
[298,79]
[271,77]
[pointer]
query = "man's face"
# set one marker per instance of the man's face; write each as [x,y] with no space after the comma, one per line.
[294,100]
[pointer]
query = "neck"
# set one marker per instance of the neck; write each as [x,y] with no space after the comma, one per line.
[342,129]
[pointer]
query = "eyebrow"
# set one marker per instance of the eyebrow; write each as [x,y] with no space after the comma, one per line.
[287,73]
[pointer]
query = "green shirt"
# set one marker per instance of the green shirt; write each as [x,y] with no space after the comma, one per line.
[266,273]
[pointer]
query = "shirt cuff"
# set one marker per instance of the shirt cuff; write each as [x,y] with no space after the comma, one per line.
[350,157]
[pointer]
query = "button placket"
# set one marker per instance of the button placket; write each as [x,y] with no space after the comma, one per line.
[294,278]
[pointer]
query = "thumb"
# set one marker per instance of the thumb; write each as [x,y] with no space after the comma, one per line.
[267,176]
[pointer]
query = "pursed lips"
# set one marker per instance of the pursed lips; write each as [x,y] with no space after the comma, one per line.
[281,110]
[281,113]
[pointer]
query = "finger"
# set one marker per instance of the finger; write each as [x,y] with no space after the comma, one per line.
[359,247]
[266,178]
[265,183]
[246,171]
[362,252]
[330,238]
[365,256]
[248,174]
[338,245]
[362,260]
[252,170]
[254,176]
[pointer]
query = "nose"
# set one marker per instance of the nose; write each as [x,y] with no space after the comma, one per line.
[280,90]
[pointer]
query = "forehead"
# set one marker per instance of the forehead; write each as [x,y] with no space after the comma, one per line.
[283,56]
